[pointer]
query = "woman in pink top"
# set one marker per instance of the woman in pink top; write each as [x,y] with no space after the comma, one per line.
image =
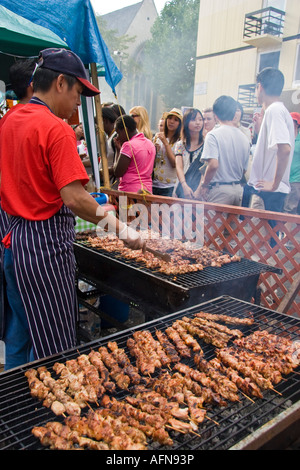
[134,166]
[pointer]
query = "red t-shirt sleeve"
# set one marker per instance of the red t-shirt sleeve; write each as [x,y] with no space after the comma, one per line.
[65,163]
[38,158]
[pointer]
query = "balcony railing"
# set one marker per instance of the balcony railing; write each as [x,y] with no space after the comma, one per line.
[268,21]
[246,96]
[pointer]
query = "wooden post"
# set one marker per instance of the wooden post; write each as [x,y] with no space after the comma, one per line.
[101,136]
[290,296]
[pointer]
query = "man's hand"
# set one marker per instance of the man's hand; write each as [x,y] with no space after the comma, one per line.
[267,186]
[201,192]
[131,238]
[283,155]
[187,191]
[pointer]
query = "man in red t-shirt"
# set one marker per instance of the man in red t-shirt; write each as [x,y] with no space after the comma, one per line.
[42,187]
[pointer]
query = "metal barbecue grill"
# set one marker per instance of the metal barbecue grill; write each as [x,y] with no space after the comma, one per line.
[159,293]
[233,425]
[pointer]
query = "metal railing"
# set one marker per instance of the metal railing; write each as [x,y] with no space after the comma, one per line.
[266,21]
[248,238]
[246,96]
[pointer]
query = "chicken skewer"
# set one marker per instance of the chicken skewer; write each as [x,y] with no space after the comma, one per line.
[209,387]
[115,371]
[274,346]
[217,326]
[224,386]
[151,347]
[124,362]
[95,359]
[145,364]
[206,334]
[81,384]
[51,392]
[180,344]
[168,346]
[226,318]
[189,340]
[153,427]
[266,369]
[244,384]
[241,367]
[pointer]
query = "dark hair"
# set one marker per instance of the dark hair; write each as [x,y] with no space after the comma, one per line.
[118,109]
[189,116]
[129,122]
[20,74]
[240,107]
[176,136]
[43,79]
[272,81]
[225,108]
[109,114]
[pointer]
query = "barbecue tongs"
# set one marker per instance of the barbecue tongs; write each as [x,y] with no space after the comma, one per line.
[157,254]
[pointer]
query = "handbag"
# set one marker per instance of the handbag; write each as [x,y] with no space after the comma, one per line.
[192,176]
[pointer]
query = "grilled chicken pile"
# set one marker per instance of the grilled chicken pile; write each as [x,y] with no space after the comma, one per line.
[186,257]
[168,385]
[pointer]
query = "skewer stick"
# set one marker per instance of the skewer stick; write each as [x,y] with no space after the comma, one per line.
[183,432]
[273,389]
[177,430]
[88,405]
[196,434]
[210,419]
[248,398]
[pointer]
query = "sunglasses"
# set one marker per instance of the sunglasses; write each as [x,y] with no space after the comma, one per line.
[135,115]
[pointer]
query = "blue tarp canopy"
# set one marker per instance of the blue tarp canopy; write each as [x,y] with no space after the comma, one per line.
[74,22]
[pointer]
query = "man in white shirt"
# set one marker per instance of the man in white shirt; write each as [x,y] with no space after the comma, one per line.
[274,150]
[226,152]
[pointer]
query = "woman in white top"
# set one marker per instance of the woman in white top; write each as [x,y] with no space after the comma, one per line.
[164,176]
[188,153]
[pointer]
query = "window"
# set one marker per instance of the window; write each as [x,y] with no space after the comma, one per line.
[297,68]
[268,59]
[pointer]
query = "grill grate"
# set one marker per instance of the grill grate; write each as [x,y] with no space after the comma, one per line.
[20,412]
[209,275]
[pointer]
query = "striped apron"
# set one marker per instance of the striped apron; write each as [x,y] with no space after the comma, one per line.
[4,223]
[45,272]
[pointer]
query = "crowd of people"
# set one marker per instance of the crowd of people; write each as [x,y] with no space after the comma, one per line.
[211,155]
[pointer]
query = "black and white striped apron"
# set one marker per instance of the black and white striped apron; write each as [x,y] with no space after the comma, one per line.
[45,272]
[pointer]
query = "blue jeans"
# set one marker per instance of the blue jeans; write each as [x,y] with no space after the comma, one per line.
[273,202]
[18,343]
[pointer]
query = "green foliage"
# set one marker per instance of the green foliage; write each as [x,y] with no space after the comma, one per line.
[170,54]
[117,45]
